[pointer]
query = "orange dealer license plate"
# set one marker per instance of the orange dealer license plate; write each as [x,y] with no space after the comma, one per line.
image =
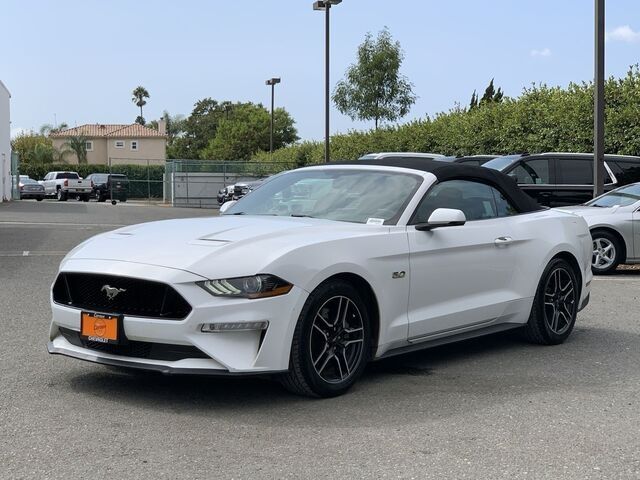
[98,327]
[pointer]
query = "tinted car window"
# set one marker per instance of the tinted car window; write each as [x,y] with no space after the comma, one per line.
[626,171]
[476,200]
[532,172]
[574,171]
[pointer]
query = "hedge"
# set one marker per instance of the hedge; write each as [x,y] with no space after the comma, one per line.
[142,179]
[542,119]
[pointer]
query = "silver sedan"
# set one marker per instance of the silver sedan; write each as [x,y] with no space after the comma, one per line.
[614,221]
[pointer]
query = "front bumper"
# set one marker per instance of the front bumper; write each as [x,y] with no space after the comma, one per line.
[231,352]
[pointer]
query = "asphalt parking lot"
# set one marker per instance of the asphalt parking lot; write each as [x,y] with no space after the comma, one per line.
[488,408]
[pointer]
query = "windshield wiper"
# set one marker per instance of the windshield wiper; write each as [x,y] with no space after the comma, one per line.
[300,215]
[237,213]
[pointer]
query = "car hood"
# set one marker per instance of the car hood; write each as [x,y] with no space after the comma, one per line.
[216,246]
[586,211]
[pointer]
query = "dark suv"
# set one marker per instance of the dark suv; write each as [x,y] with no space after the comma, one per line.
[114,186]
[561,179]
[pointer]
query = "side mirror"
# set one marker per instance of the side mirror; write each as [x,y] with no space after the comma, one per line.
[443,217]
[226,205]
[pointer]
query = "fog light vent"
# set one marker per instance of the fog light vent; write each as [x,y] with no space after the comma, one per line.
[233,326]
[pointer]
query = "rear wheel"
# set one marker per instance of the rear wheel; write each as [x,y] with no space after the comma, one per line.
[607,252]
[555,305]
[331,343]
[39,199]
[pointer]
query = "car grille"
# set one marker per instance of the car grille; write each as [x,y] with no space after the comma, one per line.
[140,298]
[152,351]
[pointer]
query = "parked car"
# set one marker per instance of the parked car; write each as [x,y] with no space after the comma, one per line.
[30,189]
[375,261]
[225,194]
[563,179]
[401,156]
[242,188]
[64,185]
[476,160]
[613,219]
[114,186]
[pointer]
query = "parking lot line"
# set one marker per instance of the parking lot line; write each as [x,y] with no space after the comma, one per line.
[30,253]
[61,224]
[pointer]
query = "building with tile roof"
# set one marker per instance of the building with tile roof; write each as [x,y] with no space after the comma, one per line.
[116,143]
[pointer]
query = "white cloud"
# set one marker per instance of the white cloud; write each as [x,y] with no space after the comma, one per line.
[545,52]
[623,33]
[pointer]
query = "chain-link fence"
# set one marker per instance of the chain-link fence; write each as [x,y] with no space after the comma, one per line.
[196,183]
[146,177]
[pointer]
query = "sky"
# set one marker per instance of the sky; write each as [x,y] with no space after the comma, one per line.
[77,61]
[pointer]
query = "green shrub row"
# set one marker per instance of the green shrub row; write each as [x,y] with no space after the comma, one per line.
[542,119]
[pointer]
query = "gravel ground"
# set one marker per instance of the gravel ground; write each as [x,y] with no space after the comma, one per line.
[488,408]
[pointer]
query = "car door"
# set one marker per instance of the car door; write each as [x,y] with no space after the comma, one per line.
[47,184]
[574,181]
[636,233]
[460,275]
[536,177]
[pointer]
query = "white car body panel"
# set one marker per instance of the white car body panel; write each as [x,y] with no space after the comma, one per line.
[494,288]
[623,220]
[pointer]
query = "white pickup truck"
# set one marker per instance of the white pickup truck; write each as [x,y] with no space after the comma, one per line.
[63,185]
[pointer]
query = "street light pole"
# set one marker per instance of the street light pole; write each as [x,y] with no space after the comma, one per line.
[272,82]
[325,5]
[598,97]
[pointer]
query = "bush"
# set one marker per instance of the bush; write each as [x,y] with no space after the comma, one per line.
[542,119]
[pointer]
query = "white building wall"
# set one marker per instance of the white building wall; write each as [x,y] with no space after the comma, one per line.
[5,144]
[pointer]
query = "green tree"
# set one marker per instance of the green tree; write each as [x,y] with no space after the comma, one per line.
[373,88]
[491,95]
[139,95]
[78,145]
[175,125]
[47,129]
[25,144]
[474,101]
[247,132]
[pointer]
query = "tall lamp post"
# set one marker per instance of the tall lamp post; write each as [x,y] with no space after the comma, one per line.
[273,82]
[598,97]
[325,5]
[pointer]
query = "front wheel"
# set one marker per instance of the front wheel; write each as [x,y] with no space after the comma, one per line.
[555,305]
[61,196]
[331,343]
[607,252]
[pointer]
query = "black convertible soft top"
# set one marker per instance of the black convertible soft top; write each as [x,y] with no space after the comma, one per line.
[456,171]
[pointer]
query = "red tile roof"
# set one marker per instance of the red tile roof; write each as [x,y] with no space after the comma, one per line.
[134,130]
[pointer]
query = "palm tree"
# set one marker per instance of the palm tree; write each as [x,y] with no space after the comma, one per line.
[78,145]
[47,129]
[42,154]
[139,95]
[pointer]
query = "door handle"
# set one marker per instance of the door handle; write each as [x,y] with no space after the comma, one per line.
[503,241]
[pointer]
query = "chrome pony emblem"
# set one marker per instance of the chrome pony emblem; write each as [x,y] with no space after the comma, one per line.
[112,292]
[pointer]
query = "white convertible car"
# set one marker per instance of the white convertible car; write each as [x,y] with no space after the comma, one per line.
[323,269]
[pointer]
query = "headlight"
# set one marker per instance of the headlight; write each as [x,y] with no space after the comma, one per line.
[257,286]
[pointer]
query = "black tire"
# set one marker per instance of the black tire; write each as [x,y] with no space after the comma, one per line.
[84,198]
[540,327]
[101,198]
[303,377]
[603,237]
[113,202]
[61,196]
[38,199]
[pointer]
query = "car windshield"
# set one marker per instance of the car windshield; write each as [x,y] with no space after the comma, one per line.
[500,163]
[627,195]
[28,181]
[348,195]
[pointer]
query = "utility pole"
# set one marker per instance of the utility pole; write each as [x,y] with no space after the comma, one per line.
[598,101]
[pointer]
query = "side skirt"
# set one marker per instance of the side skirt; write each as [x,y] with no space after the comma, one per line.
[426,343]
